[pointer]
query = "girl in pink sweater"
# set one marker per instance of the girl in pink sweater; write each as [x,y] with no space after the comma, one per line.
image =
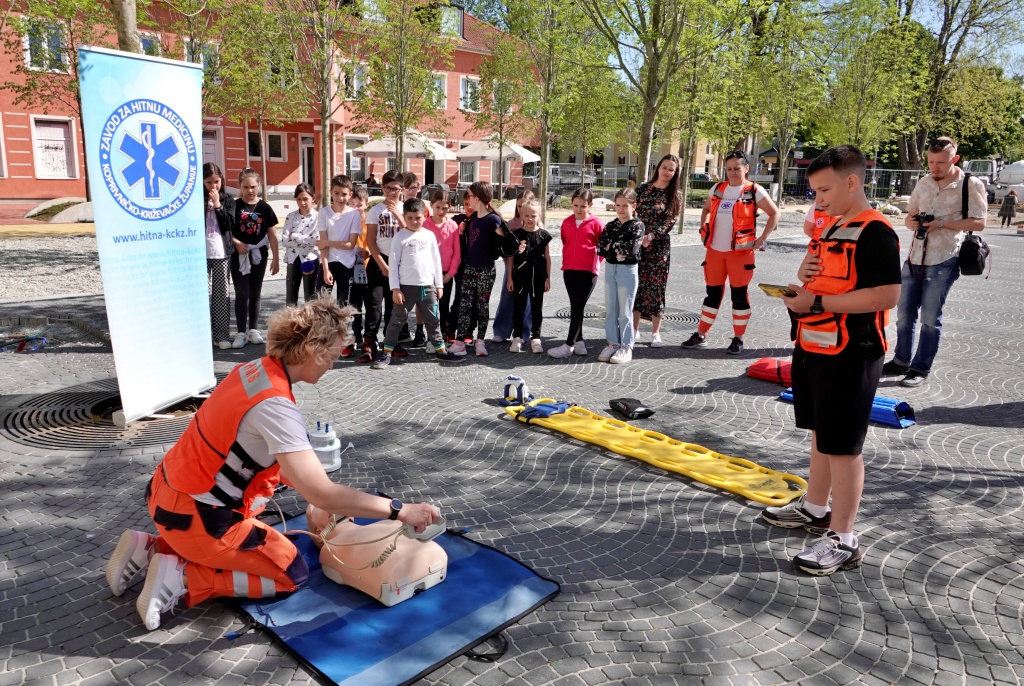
[447,233]
[579,267]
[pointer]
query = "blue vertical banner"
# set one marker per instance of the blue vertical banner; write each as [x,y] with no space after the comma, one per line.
[142,118]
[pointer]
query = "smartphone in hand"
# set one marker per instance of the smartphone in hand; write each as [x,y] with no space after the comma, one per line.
[776,291]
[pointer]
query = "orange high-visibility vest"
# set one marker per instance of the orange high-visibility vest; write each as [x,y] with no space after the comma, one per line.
[821,222]
[827,333]
[744,215]
[209,445]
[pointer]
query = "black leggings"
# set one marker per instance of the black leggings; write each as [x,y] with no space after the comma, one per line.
[528,285]
[248,288]
[579,284]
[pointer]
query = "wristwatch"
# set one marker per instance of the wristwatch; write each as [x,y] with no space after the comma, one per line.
[817,307]
[396,507]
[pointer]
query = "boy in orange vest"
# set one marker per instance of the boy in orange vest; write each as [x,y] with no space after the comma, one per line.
[851,281]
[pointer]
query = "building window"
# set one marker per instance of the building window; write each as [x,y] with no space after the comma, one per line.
[572,159]
[469,94]
[275,146]
[622,159]
[45,46]
[506,172]
[467,170]
[355,81]
[150,43]
[54,148]
[206,54]
[451,22]
[440,91]
[392,164]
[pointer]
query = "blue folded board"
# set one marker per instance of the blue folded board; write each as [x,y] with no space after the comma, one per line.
[888,411]
[345,637]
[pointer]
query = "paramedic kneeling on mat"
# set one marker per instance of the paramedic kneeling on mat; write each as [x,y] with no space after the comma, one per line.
[207,491]
[852,280]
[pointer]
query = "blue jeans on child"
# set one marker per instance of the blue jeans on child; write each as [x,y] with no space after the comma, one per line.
[620,284]
[923,288]
[503,315]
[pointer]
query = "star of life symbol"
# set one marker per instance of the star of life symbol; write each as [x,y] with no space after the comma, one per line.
[148,159]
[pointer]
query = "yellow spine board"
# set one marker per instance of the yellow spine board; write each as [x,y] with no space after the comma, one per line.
[733,474]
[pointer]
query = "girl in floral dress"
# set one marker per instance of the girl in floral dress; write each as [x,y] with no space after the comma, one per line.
[657,206]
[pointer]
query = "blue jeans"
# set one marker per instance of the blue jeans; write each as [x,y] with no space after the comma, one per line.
[927,294]
[503,316]
[620,284]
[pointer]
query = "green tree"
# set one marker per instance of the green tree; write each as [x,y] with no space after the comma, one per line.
[43,47]
[197,25]
[982,110]
[258,74]
[507,104]
[595,114]
[404,44]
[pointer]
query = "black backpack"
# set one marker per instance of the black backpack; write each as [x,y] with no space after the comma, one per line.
[974,251]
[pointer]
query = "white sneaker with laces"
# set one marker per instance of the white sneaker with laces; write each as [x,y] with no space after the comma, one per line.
[580,348]
[536,346]
[255,337]
[607,353]
[622,355]
[828,555]
[457,348]
[656,341]
[481,347]
[165,584]
[239,340]
[516,346]
[561,352]
[131,556]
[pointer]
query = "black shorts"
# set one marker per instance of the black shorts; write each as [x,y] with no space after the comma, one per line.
[832,396]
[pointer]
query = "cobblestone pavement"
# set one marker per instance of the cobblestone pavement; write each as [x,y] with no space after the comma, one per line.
[664,581]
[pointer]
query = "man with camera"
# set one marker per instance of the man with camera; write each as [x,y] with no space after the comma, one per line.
[935,214]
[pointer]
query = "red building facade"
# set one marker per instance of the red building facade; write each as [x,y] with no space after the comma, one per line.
[42,154]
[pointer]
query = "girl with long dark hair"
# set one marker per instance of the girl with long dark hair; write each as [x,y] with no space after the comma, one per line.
[658,204]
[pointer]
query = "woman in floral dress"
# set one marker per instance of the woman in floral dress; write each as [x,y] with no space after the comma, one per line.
[658,206]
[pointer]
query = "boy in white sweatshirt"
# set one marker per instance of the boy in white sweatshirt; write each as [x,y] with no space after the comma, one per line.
[416,280]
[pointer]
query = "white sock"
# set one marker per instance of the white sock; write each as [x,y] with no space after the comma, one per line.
[816,510]
[847,539]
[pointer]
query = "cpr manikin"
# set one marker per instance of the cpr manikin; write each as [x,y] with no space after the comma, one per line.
[385,559]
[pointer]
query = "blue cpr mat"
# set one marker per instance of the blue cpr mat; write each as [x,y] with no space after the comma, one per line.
[888,411]
[346,637]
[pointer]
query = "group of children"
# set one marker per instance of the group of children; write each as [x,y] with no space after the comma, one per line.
[385,265]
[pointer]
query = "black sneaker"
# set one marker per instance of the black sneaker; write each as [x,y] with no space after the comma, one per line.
[449,357]
[420,338]
[913,379]
[695,341]
[736,347]
[794,516]
[405,337]
[399,351]
[383,361]
[891,368]
[828,555]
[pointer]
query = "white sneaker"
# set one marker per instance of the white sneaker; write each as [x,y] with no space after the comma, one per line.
[607,353]
[622,355]
[516,346]
[165,584]
[580,348]
[131,556]
[561,352]
[223,345]
[656,341]
[457,348]
[497,339]
[255,337]
[536,346]
[239,340]
[481,347]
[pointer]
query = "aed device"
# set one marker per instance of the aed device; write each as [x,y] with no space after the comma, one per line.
[386,559]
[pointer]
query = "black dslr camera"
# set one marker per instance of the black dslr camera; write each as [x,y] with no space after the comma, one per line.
[922,230]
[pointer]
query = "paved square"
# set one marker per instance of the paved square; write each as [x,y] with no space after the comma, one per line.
[664,581]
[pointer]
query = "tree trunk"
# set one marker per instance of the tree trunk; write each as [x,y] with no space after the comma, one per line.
[263,159]
[545,160]
[646,137]
[325,152]
[127,27]
[85,158]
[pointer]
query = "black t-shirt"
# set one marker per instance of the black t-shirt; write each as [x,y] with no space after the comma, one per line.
[252,221]
[878,264]
[481,240]
[533,256]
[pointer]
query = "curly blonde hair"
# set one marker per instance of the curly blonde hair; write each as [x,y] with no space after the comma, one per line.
[297,335]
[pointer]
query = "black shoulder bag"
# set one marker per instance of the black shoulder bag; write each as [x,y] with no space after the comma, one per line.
[974,252]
